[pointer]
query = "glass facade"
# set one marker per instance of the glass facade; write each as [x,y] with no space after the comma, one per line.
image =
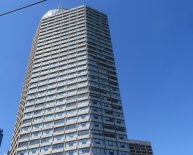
[71,102]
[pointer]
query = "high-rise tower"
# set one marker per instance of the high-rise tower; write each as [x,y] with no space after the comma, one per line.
[70,103]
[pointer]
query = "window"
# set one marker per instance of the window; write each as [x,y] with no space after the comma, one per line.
[95,109]
[108,134]
[33,142]
[109,119]
[83,117]
[73,152]
[60,114]
[29,114]
[84,150]
[84,124]
[108,112]
[69,127]
[97,132]
[31,101]
[111,143]
[58,146]
[71,105]
[98,141]
[95,102]
[49,109]
[96,124]
[46,132]
[50,103]
[123,145]
[34,151]
[123,153]
[84,141]
[70,119]
[29,108]
[38,119]
[23,144]
[71,135]
[71,112]
[59,153]
[111,152]
[40,99]
[59,129]
[35,134]
[46,148]
[119,114]
[38,112]
[24,136]
[49,116]
[60,121]
[36,126]
[96,116]
[98,150]
[59,137]
[23,152]
[45,140]
[119,122]
[121,137]
[47,124]
[27,128]
[82,103]
[71,143]
[61,107]
[83,132]
[39,105]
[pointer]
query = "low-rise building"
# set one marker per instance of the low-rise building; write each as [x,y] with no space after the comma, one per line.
[140,147]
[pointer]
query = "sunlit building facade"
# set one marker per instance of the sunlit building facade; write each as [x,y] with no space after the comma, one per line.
[71,103]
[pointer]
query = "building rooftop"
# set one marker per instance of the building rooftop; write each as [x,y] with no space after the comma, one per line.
[139,142]
[53,12]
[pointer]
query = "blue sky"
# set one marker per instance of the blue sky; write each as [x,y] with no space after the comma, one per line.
[153,46]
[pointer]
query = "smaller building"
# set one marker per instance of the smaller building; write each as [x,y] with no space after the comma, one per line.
[140,147]
[1,136]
